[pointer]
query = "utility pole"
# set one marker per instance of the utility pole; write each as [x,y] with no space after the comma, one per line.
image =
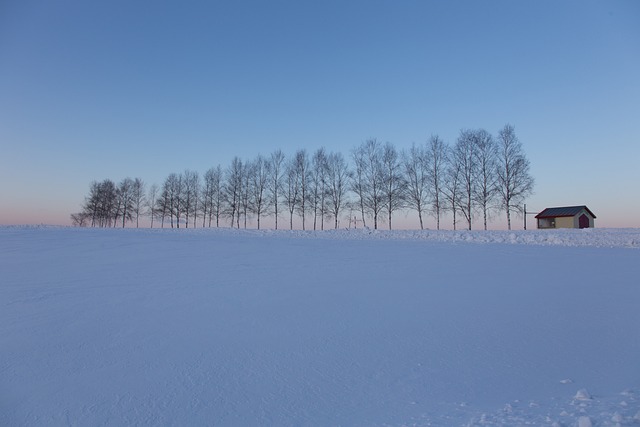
[525,215]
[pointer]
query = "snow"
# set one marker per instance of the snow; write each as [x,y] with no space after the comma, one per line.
[347,327]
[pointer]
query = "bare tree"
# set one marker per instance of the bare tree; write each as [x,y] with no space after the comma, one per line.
[291,189]
[369,179]
[437,159]
[100,204]
[485,189]
[152,197]
[245,192]
[191,190]
[393,180]
[91,205]
[452,186]
[171,199]
[212,196]
[319,186]
[233,190]
[178,199]
[276,169]
[218,195]
[138,199]
[302,166]
[109,193]
[163,204]
[80,219]
[258,186]
[125,200]
[465,158]
[416,164]
[206,196]
[514,181]
[337,184]
[358,179]
[195,187]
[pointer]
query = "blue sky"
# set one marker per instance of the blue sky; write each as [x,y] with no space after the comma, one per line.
[95,90]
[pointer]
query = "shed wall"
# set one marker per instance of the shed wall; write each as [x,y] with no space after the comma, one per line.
[567,222]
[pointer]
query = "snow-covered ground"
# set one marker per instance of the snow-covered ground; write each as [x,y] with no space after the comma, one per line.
[247,328]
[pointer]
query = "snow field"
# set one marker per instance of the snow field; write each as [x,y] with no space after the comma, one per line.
[228,327]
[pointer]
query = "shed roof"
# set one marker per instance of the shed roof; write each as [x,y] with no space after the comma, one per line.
[563,211]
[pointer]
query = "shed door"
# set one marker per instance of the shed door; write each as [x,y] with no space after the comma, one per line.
[583,221]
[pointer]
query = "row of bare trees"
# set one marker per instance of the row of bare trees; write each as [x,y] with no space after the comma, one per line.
[477,176]
[109,204]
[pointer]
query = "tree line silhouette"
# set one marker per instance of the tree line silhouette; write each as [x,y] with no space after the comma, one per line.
[476,176]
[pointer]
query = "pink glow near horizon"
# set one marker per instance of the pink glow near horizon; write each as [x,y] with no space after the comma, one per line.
[401,221]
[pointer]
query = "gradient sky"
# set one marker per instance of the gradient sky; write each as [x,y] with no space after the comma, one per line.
[95,90]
